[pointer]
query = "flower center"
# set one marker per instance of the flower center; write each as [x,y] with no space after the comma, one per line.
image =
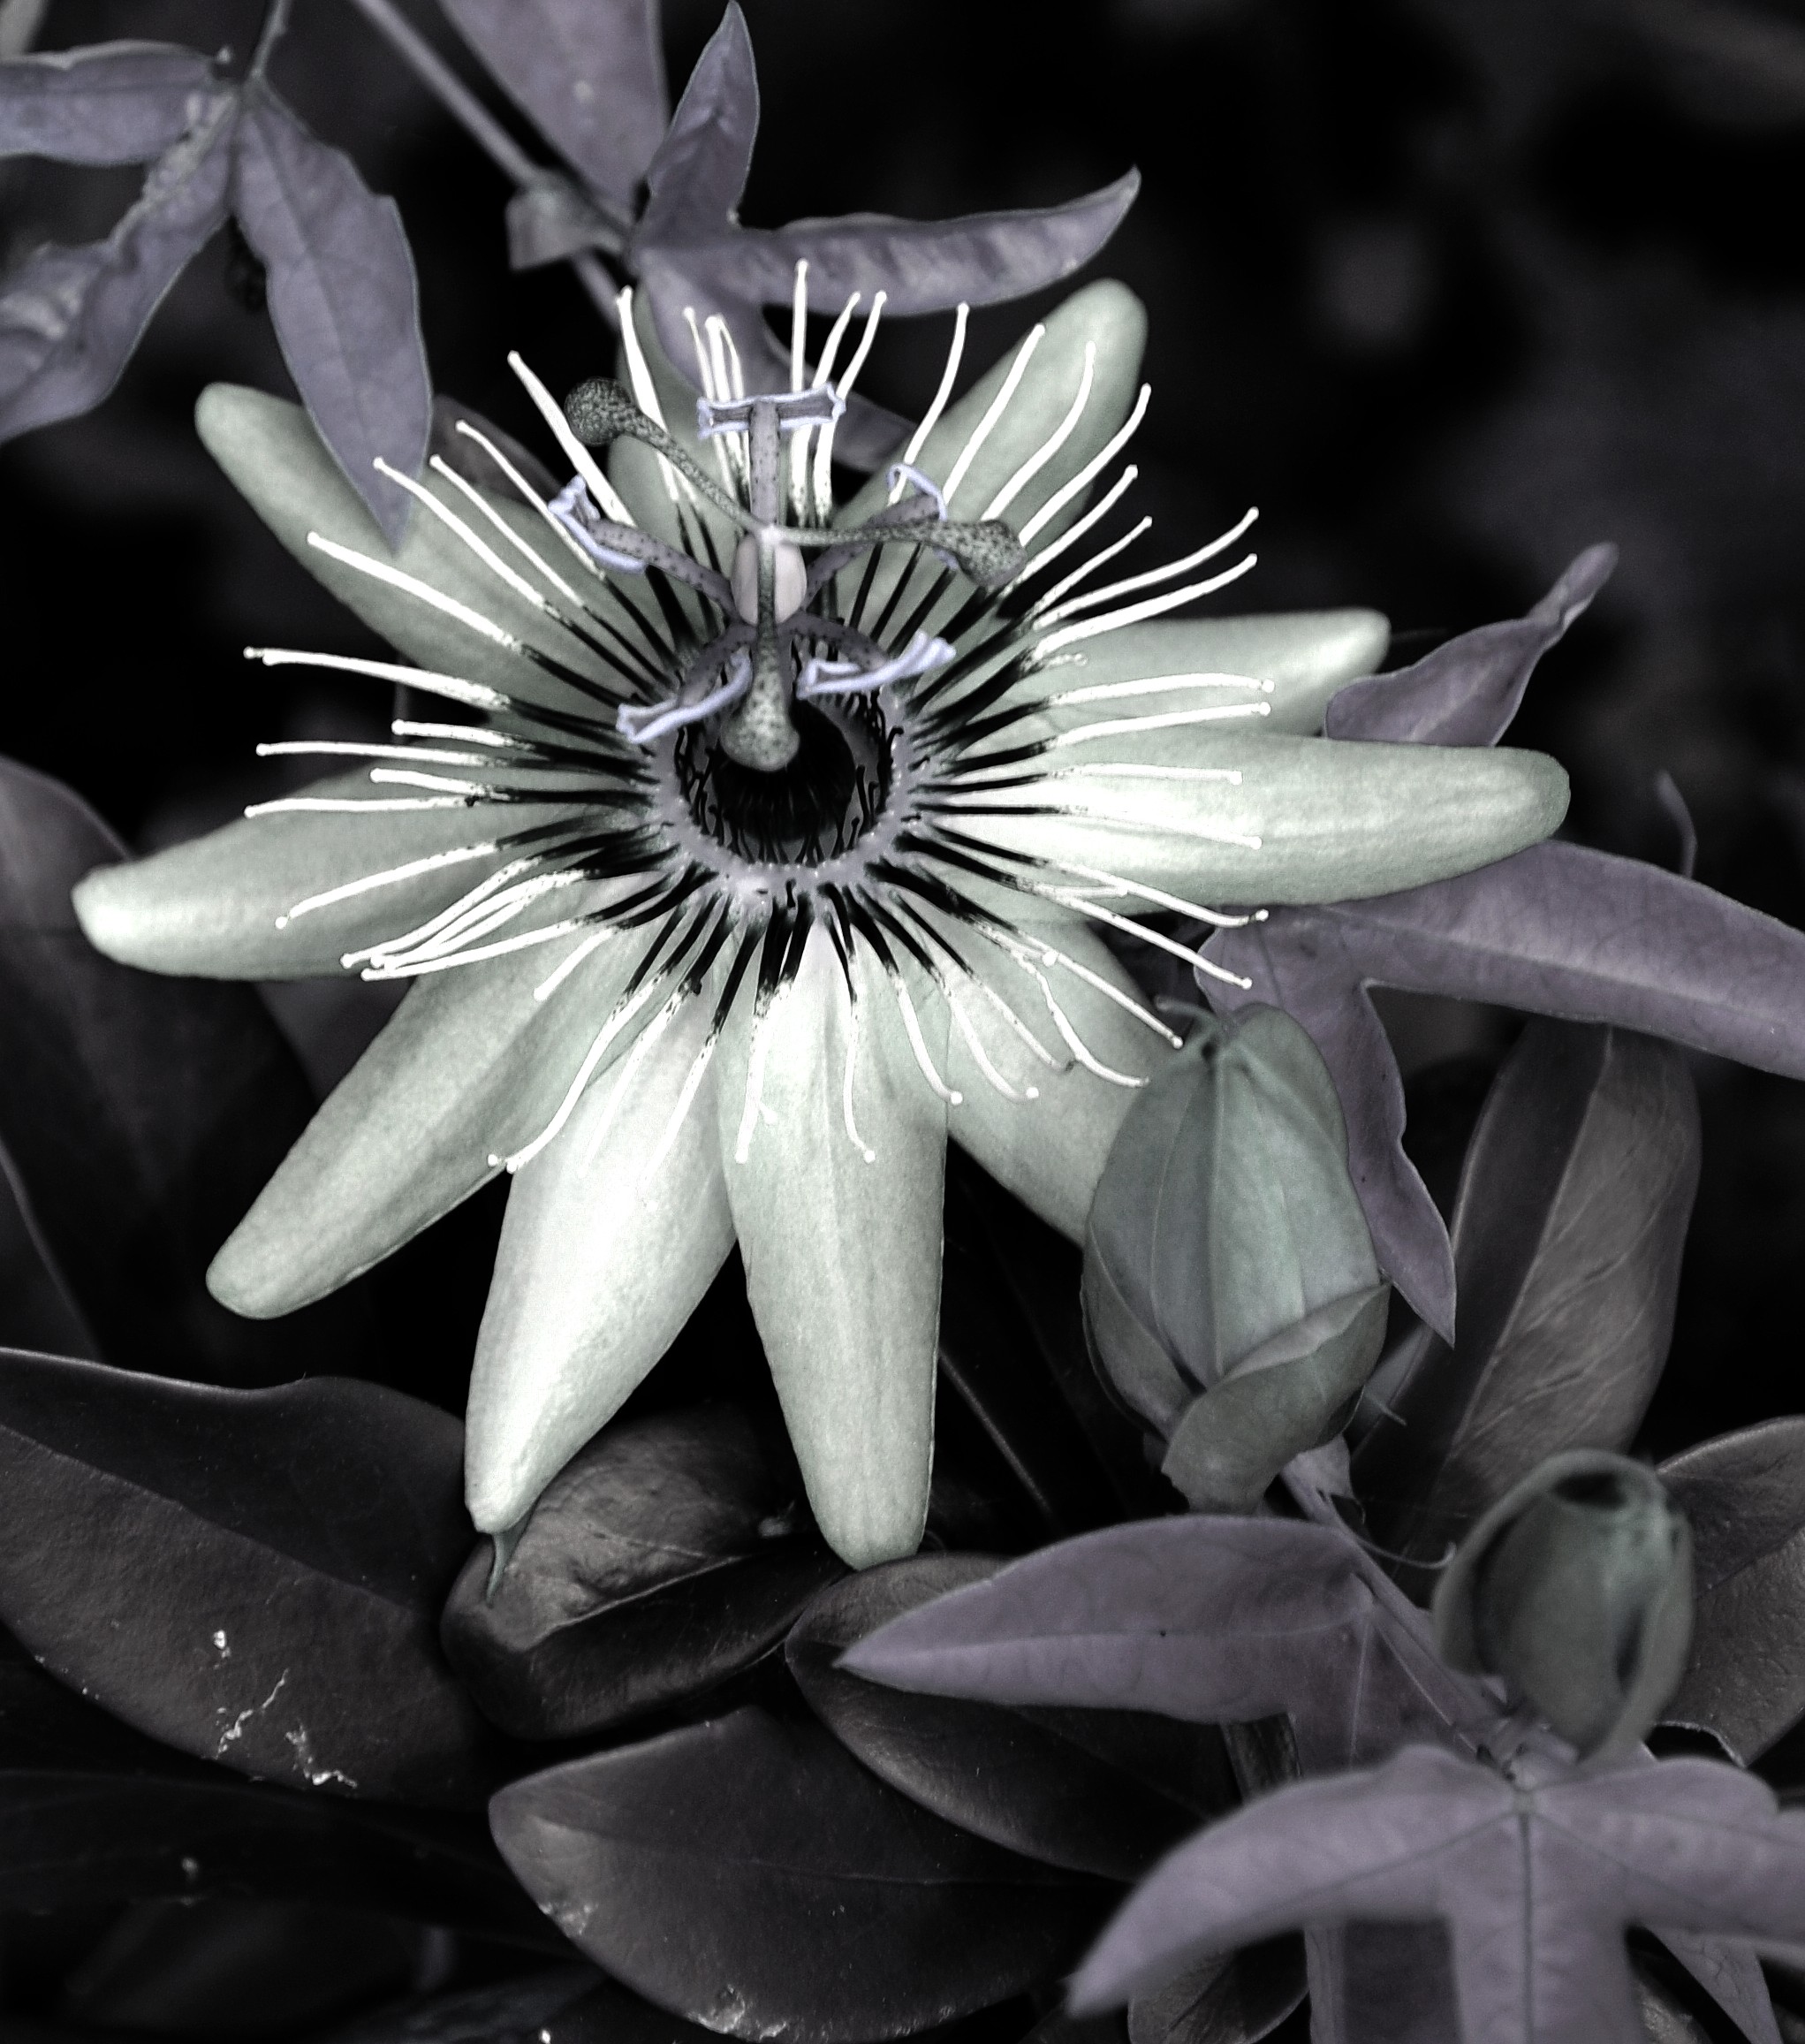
[818,806]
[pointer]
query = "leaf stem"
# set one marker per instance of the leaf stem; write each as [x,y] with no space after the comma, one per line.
[480,125]
[275,22]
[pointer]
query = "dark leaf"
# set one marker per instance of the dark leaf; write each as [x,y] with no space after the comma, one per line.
[71,318]
[608,2014]
[1228,1998]
[1567,1234]
[752,1876]
[232,1967]
[668,1554]
[251,1576]
[589,73]
[691,251]
[1466,691]
[114,103]
[343,298]
[1537,1877]
[1102,1792]
[93,1812]
[1557,930]
[1744,1495]
[1213,1620]
[1575,1591]
[518,2011]
[142,1115]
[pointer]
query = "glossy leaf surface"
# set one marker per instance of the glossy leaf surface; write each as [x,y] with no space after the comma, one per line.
[665,1556]
[808,1893]
[343,298]
[142,1115]
[1101,1792]
[1744,1496]
[1568,1230]
[1228,1998]
[1213,1620]
[1538,1880]
[251,1576]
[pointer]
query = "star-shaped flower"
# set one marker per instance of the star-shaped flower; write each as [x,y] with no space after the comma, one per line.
[765,845]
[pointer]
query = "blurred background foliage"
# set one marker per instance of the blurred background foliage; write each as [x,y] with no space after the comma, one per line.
[1449,288]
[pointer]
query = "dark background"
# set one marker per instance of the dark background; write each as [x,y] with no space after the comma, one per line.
[1450,288]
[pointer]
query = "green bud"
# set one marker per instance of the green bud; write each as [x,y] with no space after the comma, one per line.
[1231,1293]
[1576,1590]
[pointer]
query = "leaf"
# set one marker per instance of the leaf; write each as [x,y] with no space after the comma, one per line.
[1567,1234]
[1744,1495]
[1214,1620]
[114,103]
[812,1901]
[94,1813]
[1228,1998]
[1467,691]
[544,2004]
[1100,1792]
[691,251]
[251,1576]
[142,1115]
[607,2014]
[343,297]
[1555,929]
[71,318]
[1537,1877]
[589,73]
[668,1554]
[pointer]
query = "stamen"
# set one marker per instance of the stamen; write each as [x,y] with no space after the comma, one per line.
[624,1013]
[1154,685]
[645,395]
[1164,900]
[821,677]
[1062,1022]
[643,723]
[578,455]
[1160,720]
[433,782]
[857,1140]
[755,1109]
[798,324]
[900,471]
[930,418]
[411,939]
[630,1070]
[1090,471]
[1050,446]
[324,805]
[721,339]
[1146,580]
[983,1056]
[1008,941]
[1156,938]
[1149,607]
[390,877]
[999,404]
[526,491]
[705,368]
[591,943]
[442,961]
[1076,531]
[473,733]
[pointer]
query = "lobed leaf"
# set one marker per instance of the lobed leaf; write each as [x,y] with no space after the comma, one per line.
[71,318]
[1567,1233]
[251,1578]
[343,297]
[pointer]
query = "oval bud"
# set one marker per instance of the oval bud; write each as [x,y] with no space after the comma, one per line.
[1575,1589]
[1231,1292]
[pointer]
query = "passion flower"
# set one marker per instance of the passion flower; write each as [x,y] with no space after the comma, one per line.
[769,843]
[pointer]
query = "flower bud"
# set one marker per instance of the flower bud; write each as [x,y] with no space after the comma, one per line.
[1231,1293]
[1576,1590]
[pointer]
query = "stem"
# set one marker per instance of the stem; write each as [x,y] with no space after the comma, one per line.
[480,125]
[275,22]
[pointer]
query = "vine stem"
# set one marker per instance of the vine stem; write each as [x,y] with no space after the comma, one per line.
[275,23]
[481,125]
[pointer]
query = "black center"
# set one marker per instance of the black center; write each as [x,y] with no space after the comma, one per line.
[821,804]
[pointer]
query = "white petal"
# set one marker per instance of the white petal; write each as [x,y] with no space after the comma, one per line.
[606,1249]
[841,1236]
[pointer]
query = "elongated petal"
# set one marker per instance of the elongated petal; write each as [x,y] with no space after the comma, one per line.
[270,451]
[1305,820]
[222,907]
[1050,1150]
[470,1069]
[841,1236]
[113,103]
[611,1240]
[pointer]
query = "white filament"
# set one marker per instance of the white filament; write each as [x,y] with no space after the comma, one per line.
[1147,607]
[453,687]
[390,875]
[1077,529]
[1090,471]
[998,404]
[1043,609]
[441,466]
[930,418]
[1050,446]
[1207,551]
[798,324]
[1154,685]
[824,441]
[381,571]
[578,455]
